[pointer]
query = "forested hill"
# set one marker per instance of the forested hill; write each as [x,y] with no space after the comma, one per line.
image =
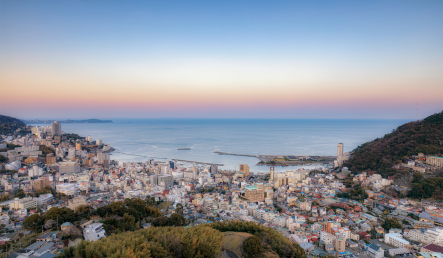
[10,120]
[425,136]
[9,124]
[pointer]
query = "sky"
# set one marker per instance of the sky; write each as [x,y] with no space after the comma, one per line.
[221,59]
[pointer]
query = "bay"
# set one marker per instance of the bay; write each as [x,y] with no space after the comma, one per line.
[160,138]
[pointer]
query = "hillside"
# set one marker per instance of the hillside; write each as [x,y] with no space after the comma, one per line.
[233,241]
[9,124]
[425,136]
[201,241]
[205,240]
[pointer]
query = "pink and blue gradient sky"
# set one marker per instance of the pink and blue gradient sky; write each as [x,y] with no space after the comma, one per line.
[221,59]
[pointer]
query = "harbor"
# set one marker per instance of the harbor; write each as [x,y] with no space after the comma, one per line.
[286,160]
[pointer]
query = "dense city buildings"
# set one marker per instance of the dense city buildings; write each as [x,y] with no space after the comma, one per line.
[325,208]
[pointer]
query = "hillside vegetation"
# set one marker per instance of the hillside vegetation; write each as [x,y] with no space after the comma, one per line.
[431,187]
[10,120]
[271,240]
[234,240]
[9,124]
[382,154]
[201,241]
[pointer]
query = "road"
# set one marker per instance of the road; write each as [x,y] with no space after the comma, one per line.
[230,254]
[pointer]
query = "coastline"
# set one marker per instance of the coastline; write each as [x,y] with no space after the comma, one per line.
[160,138]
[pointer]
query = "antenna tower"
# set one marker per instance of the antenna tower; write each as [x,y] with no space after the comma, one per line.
[417,111]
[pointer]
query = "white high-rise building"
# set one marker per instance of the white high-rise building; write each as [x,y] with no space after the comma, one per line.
[341,157]
[56,128]
[339,150]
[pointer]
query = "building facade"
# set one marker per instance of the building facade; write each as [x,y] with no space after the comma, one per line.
[68,167]
[258,192]
[435,161]
[244,169]
[25,203]
[56,128]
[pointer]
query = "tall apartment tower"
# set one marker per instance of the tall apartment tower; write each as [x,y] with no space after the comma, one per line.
[56,128]
[214,169]
[272,174]
[101,157]
[244,169]
[339,149]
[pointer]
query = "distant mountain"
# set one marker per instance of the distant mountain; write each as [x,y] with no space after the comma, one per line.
[68,121]
[10,124]
[381,154]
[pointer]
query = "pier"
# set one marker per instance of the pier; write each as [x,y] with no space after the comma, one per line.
[197,162]
[235,154]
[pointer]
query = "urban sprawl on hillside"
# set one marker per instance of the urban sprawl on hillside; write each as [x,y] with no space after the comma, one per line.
[59,188]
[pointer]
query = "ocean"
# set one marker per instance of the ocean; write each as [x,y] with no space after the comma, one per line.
[160,138]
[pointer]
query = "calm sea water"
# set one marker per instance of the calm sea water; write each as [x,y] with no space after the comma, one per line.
[161,138]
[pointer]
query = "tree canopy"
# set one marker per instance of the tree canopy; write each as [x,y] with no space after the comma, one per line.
[427,188]
[200,241]
[252,247]
[391,223]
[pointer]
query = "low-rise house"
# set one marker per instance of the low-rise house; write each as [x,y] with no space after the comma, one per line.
[65,226]
[329,248]
[351,244]
[293,238]
[48,247]
[46,237]
[376,250]
[308,247]
[432,248]
[364,235]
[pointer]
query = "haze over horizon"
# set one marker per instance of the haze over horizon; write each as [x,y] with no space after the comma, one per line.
[251,59]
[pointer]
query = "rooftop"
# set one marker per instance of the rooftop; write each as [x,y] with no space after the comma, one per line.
[434,248]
